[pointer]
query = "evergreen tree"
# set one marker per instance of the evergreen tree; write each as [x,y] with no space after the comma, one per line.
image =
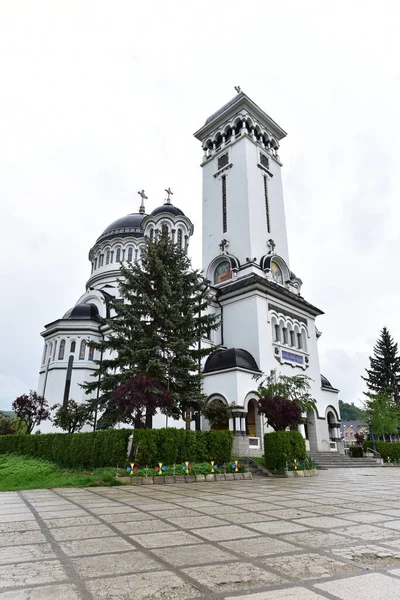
[157,328]
[383,376]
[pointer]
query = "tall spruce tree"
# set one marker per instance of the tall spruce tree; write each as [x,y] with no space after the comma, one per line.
[383,376]
[157,328]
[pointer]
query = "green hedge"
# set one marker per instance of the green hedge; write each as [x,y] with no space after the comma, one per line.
[173,446]
[88,450]
[281,447]
[385,449]
[356,451]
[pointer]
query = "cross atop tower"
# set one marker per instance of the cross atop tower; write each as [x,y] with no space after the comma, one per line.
[238,89]
[143,197]
[170,193]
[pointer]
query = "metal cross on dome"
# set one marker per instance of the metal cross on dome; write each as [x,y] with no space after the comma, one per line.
[143,197]
[170,193]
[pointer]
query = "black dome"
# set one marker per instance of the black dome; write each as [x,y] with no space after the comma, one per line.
[168,208]
[221,360]
[83,312]
[128,225]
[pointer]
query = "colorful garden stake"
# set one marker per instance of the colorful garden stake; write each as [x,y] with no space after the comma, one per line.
[295,464]
[234,466]
[213,466]
[187,467]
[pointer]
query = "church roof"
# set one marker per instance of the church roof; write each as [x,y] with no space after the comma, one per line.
[256,280]
[128,225]
[220,360]
[168,208]
[224,107]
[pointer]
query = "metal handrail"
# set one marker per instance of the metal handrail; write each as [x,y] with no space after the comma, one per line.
[374,452]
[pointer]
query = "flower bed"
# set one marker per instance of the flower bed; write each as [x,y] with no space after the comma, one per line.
[185,473]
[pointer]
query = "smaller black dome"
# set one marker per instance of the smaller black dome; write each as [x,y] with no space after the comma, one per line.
[168,208]
[128,225]
[221,360]
[83,312]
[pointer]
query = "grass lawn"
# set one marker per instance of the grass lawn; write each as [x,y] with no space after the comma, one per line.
[28,473]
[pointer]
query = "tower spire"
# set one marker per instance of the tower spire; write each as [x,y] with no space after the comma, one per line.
[169,194]
[143,196]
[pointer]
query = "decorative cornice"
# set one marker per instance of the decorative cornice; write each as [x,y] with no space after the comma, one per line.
[287,313]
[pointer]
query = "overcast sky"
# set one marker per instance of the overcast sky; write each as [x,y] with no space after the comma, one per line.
[100,99]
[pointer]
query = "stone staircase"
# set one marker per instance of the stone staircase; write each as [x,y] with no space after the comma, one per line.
[333,460]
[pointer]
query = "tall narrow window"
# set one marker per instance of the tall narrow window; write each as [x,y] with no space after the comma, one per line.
[101,260]
[151,234]
[180,238]
[130,254]
[82,350]
[277,334]
[266,203]
[61,350]
[118,257]
[224,215]
[299,341]
[284,332]
[107,257]
[91,353]
[291,337]
[112,256]
[95,263]
[44,354]
[55,348]
[164,230]
[73,346]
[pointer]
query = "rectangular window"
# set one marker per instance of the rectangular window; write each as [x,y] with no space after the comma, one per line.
[285,338]
[224,214]
[266,203]
[264,160]
[223,161]
[291,338]
[277,334]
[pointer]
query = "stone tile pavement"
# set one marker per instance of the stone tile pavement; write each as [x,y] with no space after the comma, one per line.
[333,536]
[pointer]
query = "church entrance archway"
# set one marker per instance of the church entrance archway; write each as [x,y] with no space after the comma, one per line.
[251,419]
[216,414]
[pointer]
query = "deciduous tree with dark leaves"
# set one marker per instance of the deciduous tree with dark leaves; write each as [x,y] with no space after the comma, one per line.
[32,409]
[137,397]
[283,399]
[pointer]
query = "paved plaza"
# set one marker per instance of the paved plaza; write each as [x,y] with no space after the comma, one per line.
[332,536]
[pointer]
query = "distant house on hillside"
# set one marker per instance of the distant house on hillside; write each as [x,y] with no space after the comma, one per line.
[349,429]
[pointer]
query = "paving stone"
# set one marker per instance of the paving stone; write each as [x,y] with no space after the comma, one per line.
[17,538]
[158,540]
[20,516]
[310,566]
[18,526]
[366,517]
[95,546]
[259,546]
[369,532]
[50,592]
[328,509]
[15,554]
[316,539]
[374,586]
[115,564]
[148,526]
[193,555]
[176,512]
[227,532]
[163,585]
[71,522]
[287,513]
[371,556]
[322,522]
[124,517]
[247,517]
[61,514]
[234,576]
[295,593]
[80,532]
[18,575]
[195,522]
[277,527]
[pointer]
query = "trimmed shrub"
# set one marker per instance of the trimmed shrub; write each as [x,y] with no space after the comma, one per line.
[356,451]
[174,446]
[87,450]
[282,447]
[385,449]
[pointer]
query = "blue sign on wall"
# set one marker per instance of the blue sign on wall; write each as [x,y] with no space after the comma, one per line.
[292,357]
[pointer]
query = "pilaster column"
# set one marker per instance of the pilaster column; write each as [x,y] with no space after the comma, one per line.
[302,430]
[237,424]
[243,425]
[231,425]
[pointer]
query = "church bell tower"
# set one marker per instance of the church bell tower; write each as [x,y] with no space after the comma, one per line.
[243,209]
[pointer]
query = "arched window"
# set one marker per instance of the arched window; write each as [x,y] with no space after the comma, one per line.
[73,347]
[61,350]
[107,257]
[151,234]
[82,350]
[118,257]
[180,238]
[91,353]
[222,272]
[101,263]
[164,230]
[55,348]
[44,354]
[130,254]
[111,256]
[95,263]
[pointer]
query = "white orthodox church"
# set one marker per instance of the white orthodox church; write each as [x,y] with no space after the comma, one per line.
[265,323]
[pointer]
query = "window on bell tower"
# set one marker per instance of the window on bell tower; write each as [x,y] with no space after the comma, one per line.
[224,212]
[266,203]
